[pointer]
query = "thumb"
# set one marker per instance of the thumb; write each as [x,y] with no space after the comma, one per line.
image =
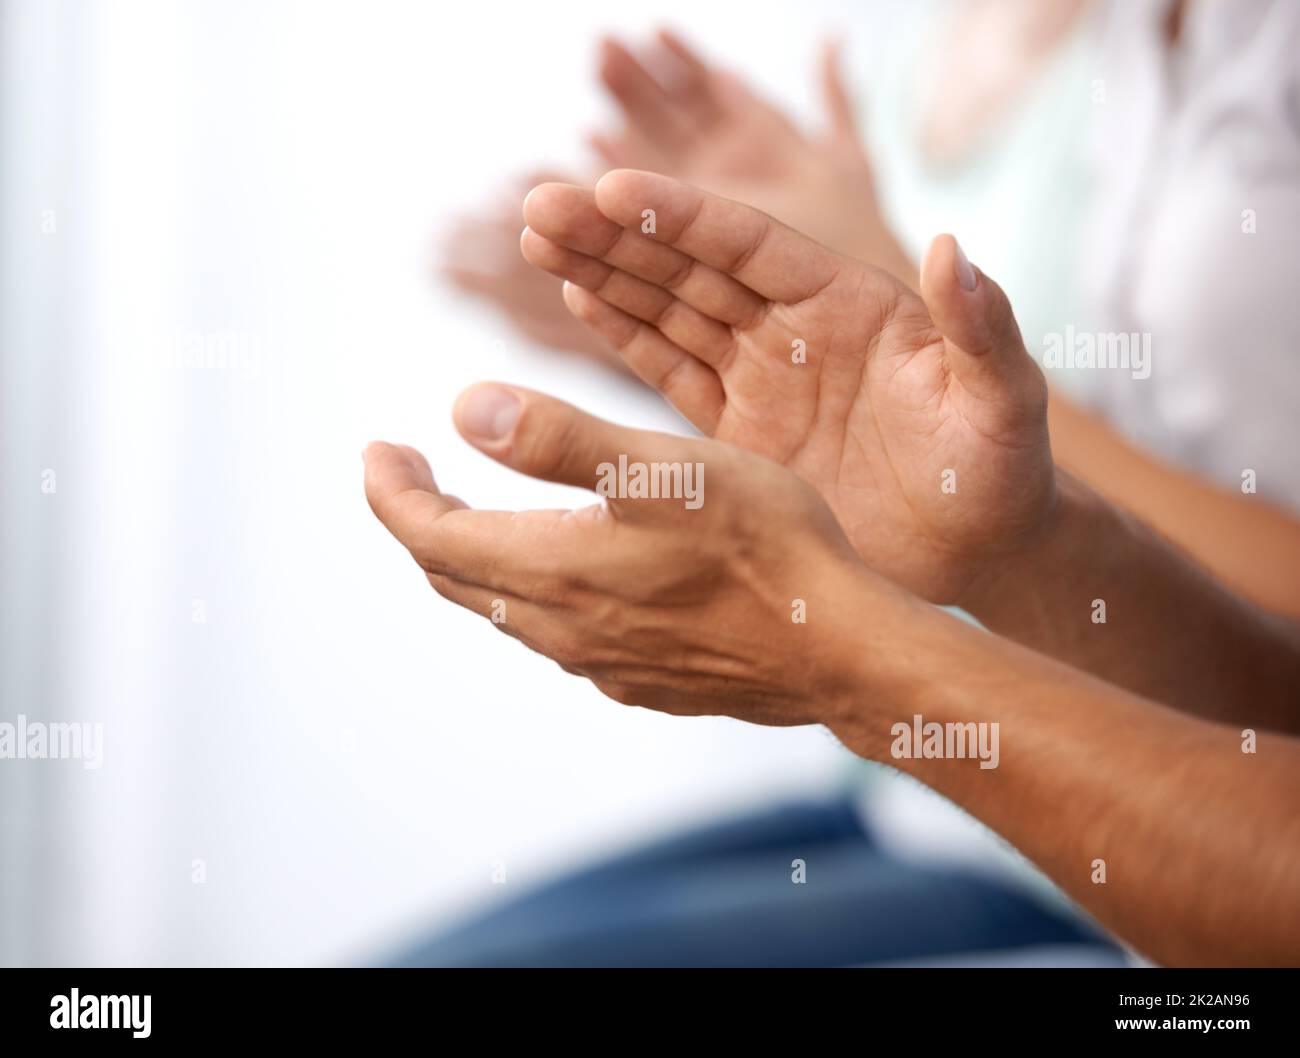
[983,340]
[549,439]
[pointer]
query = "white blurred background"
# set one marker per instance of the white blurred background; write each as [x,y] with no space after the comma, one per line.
[283,697]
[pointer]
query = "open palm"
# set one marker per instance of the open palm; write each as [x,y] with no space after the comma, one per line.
[704,125]
[922,422]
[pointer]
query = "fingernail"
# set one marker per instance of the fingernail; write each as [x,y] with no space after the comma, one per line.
[965,271]
[489,412]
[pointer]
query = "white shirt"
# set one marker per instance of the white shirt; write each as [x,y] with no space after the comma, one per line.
[1181,141]
[1193,234]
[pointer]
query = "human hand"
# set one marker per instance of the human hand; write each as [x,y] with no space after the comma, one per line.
[480,257]
[712,131]
[683,606]
[921,422]
[704,125]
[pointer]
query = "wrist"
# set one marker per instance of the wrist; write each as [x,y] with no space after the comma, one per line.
[887,653]
[1078,524]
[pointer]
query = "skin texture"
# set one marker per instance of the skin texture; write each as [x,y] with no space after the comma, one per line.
[896,391]
[602,590]
[927,438]
[690,612]
[1199,841]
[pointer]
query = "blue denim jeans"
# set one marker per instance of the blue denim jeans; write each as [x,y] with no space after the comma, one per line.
[724,895]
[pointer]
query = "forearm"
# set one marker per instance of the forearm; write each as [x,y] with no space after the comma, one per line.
[1252,547]
[1199,841]
[1104,593]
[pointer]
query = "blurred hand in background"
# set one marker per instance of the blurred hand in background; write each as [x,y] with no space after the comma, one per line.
[702,124]
[686,118]
[481,257]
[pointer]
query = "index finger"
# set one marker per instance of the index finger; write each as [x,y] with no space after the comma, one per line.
[503,550]
[774,261]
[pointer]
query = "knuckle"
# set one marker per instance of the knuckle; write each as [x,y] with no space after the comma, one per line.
[553,590]
[428,561]
[567,651]
[544,443]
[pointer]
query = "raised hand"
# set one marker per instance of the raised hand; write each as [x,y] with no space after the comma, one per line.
[480,257]
[737,595]
[704,125]
[689,119]
[921,422]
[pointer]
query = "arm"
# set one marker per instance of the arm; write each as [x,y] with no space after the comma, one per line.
[752,604]
[1199,841]
[1251,546]
[1104,593]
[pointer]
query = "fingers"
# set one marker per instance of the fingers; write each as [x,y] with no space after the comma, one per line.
[511,554]
[680,323]
[666,99]
[691,79]
[400,489]
[440,532]
[548,439]
[480,560]
[510,612]
[981,335]
[689,385]
[645,104]
[774,261]
[569,216]
[840,111]
[541,437]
